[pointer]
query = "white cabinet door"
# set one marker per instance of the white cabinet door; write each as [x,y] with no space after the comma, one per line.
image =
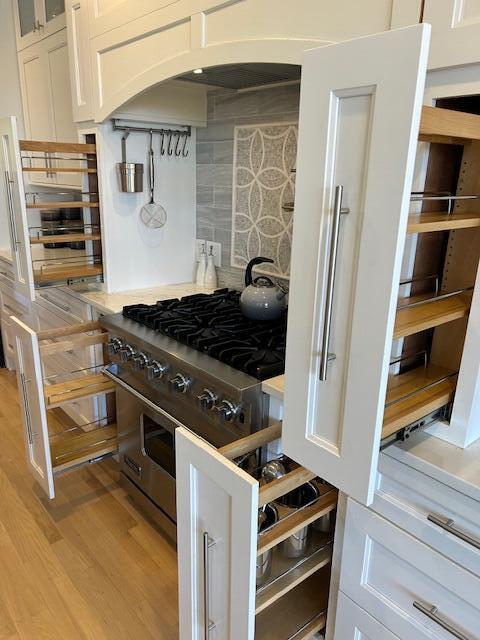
[30,386]
[354,623]
[359,118]
[217,507]
[14,194]
[455,32]
[79,59]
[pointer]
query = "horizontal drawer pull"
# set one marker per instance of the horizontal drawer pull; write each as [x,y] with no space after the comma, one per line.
[431,611]
[12,311]
[448,525]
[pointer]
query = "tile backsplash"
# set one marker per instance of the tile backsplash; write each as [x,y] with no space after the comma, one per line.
[262,123]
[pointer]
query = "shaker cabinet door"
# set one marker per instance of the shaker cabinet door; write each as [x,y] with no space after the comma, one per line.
[360,110]
[354,623]
[14,206]
[455,32]
[30,386]
[217,506]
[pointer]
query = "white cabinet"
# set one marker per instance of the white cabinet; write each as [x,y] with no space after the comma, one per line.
[79,58]
[37,19]
[47,103]
[353,623]
[455,32]
[414,591]
[54,445]
[359,120]
[220,549]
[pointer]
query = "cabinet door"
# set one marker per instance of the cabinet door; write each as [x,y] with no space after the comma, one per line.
[354,623]
[53,16]
[79,59]
[10,166]
[30,386]
[359,118]
[455,32]
[217,540]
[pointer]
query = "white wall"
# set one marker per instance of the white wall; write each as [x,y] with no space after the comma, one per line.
[10,100]
[137,257]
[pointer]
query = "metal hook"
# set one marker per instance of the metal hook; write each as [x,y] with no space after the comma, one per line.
[177,150]
[185,145]
[162,138]
[169,149]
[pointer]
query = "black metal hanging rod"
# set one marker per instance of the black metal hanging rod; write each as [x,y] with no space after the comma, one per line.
[124,127]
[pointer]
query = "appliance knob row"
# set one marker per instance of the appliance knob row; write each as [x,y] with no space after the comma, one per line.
[126,353]
[179,383]
[140,361]
[155,370]
[207,400]
[113,345]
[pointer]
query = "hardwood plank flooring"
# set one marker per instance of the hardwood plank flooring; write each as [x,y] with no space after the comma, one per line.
[85,566]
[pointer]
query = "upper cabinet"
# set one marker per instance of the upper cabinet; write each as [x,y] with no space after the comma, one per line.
[37,19]
[78,31]
[46,98]
[455,32]
[359,120]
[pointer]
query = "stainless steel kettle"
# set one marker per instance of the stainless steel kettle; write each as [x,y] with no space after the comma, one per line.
[262,298]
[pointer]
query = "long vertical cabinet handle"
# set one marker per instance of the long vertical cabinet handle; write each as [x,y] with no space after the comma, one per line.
[27,408]
[448,525]
[11,213]
[431,612]
[332,264]
[208,625]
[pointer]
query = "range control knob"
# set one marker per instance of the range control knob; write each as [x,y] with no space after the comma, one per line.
[126,353]
[113,346]
[140,361]
[155,370]
[207,400]
[179,383]
[227,411]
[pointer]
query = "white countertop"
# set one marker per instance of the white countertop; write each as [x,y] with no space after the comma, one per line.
[274,387]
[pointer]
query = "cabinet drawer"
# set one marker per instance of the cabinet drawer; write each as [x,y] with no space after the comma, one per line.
[6,273]
[68,306]
[393,576]
[423,506]
[11,306]
[353,623]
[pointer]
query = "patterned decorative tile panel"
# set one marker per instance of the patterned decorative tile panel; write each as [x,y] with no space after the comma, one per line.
[264,156]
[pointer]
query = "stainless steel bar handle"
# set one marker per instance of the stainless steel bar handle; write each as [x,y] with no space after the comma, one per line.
[332,264]
[431,611]
[448,525]
[8,189]
[140,397]
[208,625]
[57,304]
[27,408]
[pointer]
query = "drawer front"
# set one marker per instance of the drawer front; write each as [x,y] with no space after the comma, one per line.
[398,579]
[424,507]
[68,306]
[8,343]
[353,623]
[12,306]
[6,273]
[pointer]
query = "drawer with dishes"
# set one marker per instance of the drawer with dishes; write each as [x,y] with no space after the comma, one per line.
[255,540]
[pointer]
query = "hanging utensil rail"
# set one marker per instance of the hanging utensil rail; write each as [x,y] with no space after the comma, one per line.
[173,147]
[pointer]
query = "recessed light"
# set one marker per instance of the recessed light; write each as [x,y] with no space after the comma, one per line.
[197,71]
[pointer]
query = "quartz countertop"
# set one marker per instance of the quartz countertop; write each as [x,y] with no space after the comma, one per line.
[274,386]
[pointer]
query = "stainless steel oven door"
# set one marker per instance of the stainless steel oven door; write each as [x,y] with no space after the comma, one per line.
[146,444]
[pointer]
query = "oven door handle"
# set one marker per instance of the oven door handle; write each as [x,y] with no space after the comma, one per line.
[151,405]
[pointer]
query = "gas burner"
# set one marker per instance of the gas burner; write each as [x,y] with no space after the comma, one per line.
[214,324]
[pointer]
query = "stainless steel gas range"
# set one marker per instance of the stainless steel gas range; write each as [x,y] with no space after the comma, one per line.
[195,362]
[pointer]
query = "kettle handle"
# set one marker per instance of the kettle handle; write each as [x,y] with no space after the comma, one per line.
[251,264]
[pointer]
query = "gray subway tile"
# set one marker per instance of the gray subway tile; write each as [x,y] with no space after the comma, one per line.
[222,196]
[223,152]
[205,195]
[211,175]
[205,152]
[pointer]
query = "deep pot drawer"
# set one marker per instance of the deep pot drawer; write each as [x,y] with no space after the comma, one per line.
[414,591]
[59,301]
[443,518]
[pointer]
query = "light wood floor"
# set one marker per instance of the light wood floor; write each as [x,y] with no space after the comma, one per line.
[83,566]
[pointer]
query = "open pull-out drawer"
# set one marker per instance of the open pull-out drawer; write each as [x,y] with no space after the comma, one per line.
[54,442]
[235,582]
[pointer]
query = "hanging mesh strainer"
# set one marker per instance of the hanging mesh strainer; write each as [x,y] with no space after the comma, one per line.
[152,215]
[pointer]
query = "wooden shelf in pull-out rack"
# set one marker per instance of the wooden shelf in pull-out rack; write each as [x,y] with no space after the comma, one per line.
[410,320]
[59,169]
[65,272]
[428,222]
[298,614]
[416,393]
[75,204]
[448,126]
[70,451]
[73,389]
[66,237]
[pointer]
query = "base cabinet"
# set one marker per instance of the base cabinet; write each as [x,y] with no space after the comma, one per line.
[353,623]
[237,582]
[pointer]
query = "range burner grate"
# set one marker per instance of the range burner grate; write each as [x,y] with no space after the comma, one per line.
[214,324]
